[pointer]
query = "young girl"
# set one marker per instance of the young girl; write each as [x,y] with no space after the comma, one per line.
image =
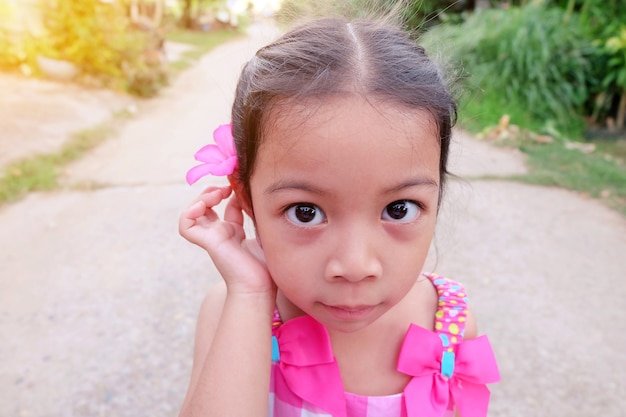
[340,135]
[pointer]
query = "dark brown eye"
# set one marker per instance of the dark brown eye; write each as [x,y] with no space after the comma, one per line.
[305,215]
[401,211]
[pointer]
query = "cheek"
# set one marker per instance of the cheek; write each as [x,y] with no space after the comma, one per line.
[277,251]
[285,260]
[415,237]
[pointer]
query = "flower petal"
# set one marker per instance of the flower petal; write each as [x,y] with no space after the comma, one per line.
[210,154]
[197,172]
[227,167]
[223,137]
[220,168]
[218,159]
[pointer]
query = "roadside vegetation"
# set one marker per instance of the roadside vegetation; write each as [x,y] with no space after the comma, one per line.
[42,172]
[548,77]
[120,55]
[116,44]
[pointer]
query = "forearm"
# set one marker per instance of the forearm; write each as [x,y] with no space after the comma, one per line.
[234,379]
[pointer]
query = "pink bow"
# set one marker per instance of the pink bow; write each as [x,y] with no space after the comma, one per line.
[309,366]
[429,393]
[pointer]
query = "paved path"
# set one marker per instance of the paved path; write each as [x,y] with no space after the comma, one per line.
[99,294]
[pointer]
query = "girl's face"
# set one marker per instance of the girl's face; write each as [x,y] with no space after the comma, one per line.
[345,203]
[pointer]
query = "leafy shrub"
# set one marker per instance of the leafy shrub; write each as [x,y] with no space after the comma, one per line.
[610,86]
[605,24]
[424,14]
[15,46]
[95,36]
[416,14]
[9,52]
[531,56]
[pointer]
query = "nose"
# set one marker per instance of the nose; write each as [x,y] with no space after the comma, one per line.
[354,256]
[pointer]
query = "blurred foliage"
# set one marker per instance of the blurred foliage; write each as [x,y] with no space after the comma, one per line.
[100,39]
[611,85]
[95,36]
[192,11]
[13,51]
[604,23]
[553,67]
[428,13]
[529,56]
[417,14]
[615,48]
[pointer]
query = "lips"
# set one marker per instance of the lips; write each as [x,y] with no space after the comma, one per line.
[349,313]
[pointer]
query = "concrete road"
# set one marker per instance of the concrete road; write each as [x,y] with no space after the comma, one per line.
[99,294]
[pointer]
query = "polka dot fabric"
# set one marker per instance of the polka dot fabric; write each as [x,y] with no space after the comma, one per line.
[451,313]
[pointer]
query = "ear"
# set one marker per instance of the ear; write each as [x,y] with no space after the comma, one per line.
[242,195]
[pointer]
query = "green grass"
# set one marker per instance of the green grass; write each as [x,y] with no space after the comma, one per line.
[480,110]
[41,172]
[600,174]
[202,42]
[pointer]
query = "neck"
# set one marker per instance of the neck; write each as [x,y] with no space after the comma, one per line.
[368,358]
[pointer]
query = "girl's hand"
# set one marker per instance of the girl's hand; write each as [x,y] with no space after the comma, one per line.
[241,263]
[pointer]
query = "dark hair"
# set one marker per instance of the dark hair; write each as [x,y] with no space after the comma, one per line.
[330,56]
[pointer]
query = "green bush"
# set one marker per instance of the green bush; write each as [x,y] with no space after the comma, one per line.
[15,45]
[9,52]
[605,24]
[417,14]
[530,57]
[96,36]
[99,39]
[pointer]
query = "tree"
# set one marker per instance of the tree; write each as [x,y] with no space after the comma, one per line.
[193,8]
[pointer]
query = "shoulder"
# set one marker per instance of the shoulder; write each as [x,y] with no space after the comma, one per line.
[450,293]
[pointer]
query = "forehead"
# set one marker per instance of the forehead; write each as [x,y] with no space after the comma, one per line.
[308,112]
[368,128]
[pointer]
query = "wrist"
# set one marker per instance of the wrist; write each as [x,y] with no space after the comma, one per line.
[251,308]
[257,297]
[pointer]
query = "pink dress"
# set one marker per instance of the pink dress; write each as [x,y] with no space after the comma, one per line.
[447,372]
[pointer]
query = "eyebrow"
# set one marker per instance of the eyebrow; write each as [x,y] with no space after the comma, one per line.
[414,182]
[296,185]
[292,185]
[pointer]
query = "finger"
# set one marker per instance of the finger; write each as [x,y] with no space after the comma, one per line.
[209,190]
[188,217]
[234,212]
[197,210]
[214,197]
[225,188]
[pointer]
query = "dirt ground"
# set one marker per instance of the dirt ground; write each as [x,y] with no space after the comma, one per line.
[99,294]
[36,115]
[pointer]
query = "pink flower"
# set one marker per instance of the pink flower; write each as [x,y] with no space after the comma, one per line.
[219,159]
